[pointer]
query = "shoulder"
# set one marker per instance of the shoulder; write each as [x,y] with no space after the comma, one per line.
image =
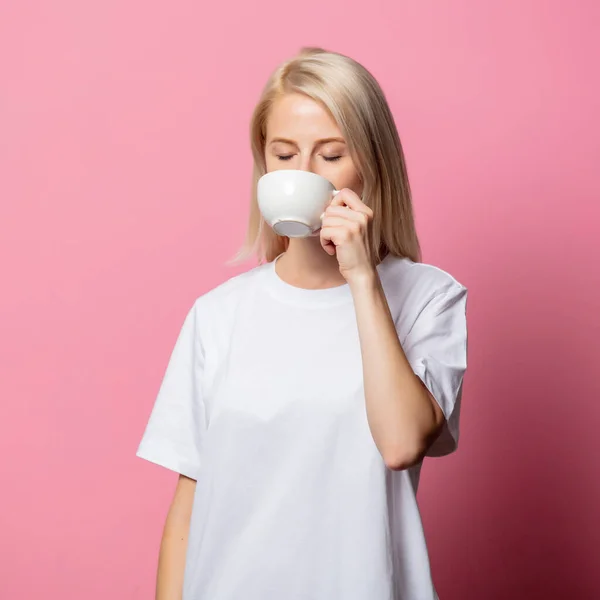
[224,297]
[415,284]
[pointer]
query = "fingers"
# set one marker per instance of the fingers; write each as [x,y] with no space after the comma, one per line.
[344,222]
[327,243]
[341,231]
[330,221]
[331,237]
[345,213]
[347,197]
[353,228]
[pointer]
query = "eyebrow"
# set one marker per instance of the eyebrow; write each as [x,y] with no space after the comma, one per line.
[319,142]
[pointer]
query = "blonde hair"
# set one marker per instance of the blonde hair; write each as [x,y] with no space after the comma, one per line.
[358,105]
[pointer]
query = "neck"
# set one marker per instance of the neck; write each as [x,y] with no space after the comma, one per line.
[305,264]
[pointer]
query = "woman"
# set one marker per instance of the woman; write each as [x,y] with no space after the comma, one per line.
[302,395]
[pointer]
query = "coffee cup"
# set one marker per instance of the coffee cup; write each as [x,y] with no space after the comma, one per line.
[292,201]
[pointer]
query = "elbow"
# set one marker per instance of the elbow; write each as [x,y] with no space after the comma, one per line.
[399,459]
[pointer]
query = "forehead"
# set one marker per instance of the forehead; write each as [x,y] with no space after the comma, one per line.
[300,118]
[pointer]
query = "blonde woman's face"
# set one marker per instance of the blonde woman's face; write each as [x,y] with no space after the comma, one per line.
[301,134]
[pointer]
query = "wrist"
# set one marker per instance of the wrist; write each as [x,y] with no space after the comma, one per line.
[364,280]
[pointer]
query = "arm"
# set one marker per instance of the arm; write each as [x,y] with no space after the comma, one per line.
[173,548]
[403,416]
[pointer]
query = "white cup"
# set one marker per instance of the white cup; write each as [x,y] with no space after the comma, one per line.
[292,201]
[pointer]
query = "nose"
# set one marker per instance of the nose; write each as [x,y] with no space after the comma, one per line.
[305,164]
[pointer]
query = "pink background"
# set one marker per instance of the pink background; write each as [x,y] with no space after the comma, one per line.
[124,179]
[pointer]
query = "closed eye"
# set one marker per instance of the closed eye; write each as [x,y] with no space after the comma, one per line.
[326,158]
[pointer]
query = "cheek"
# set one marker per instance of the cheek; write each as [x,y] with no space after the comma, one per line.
[272,164]
[348,177]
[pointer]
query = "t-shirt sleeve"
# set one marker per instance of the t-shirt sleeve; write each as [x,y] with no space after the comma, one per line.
[174,429]
[436,348]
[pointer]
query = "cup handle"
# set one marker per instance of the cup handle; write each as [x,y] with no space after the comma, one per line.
[335,193]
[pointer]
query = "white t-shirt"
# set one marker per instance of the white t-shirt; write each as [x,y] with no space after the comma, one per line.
[263,404]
